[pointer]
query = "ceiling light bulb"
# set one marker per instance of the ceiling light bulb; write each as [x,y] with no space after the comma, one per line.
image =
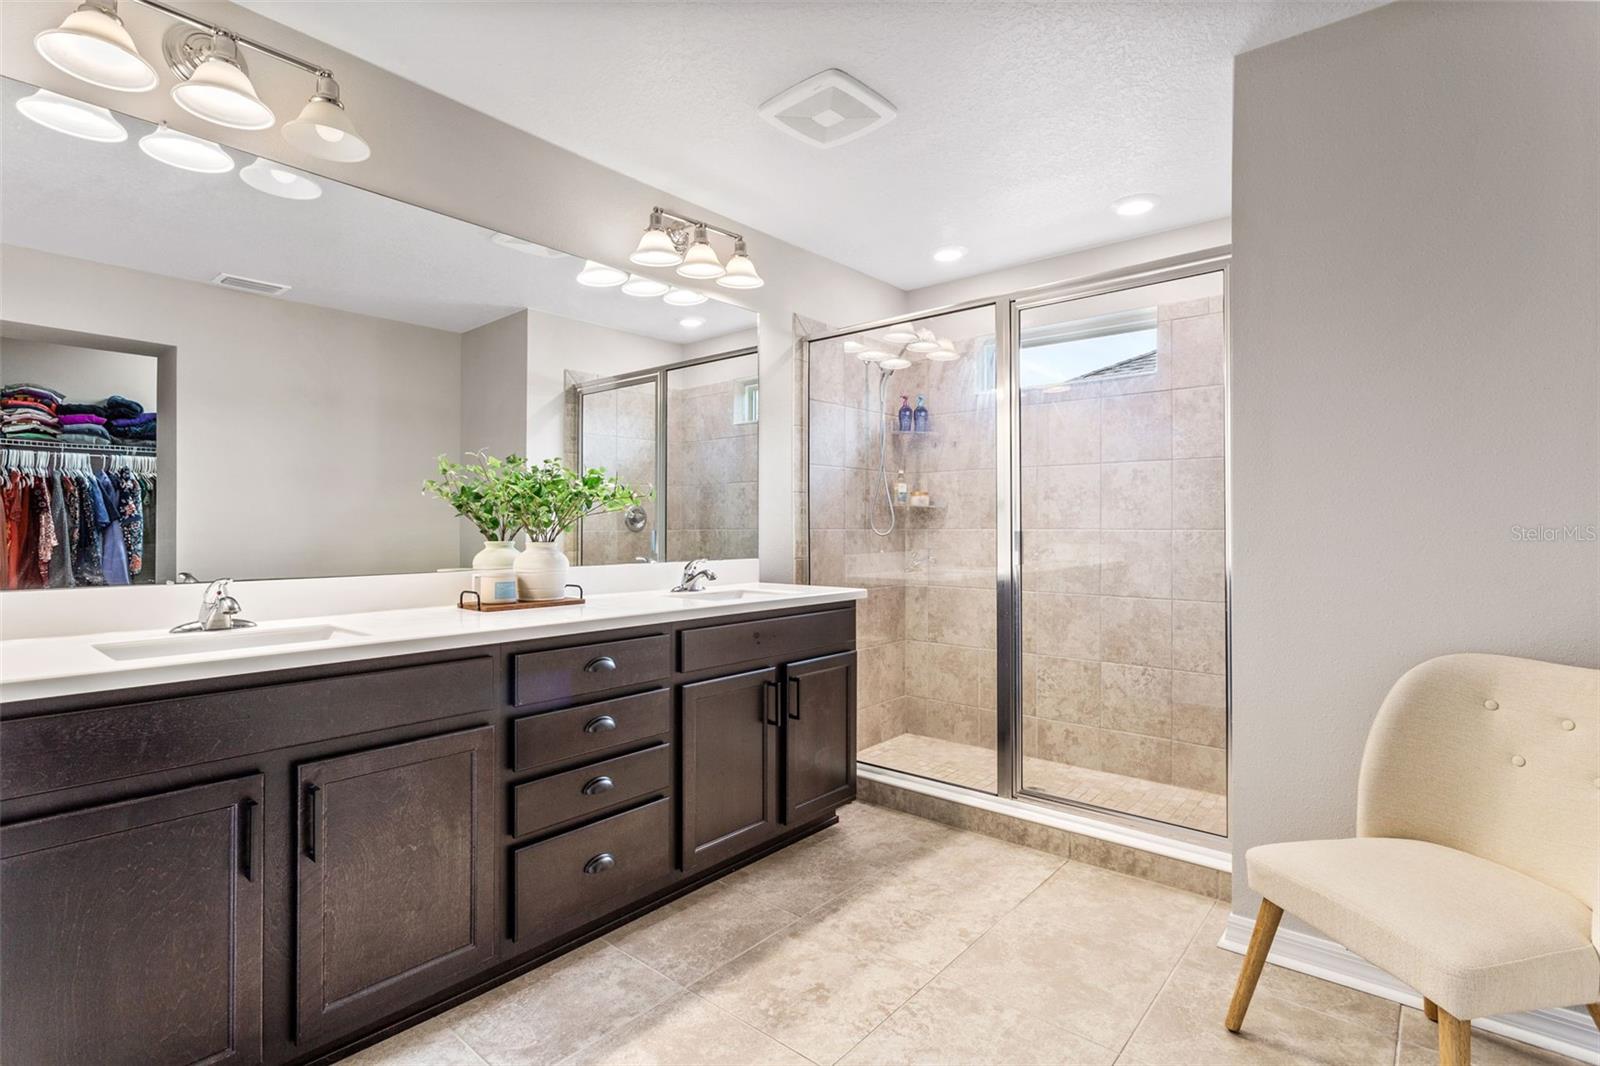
[93,45]
[684,298]
[275,179]
[185,151]
[854,346]
[220,91]
[599,276]
[871,355]
[949,254]
[72,117]
[901,334]
[324,130]
[741,272]
[700,261]
[655,247]
[639,285]
[895,363]
[691,322]
[1132,206]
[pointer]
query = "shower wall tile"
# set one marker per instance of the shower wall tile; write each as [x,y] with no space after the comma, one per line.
[881,674]
[1136,427]
[881,617]
[967,499]
[1061,560]
[1136,755]
[951,615]
[1136,563]
[951,673]
[1136,632]
[1061,433]
[1203,768]
[1064,690]
[1197,495]
[955,722]
[1197,423]
[1199,637]
[1200,709]
[963,557]
[1198,571]
[827,557]
[1064,742]
[828,486]
[1060,497]
[1136,495]
[1061,625]
[1196,351]
[1136,699]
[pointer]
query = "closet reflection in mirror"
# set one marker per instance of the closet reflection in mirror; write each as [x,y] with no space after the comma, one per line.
[308,360]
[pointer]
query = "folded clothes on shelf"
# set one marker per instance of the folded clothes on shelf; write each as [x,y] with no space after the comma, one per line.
[79,419]
[122,407]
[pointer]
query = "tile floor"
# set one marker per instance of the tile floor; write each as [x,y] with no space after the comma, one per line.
[890,939]
[973,766]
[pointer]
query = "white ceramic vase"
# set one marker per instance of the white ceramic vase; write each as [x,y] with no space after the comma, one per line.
[496,555]
[542,571]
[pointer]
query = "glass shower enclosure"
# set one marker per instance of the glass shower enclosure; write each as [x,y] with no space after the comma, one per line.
[1032,490]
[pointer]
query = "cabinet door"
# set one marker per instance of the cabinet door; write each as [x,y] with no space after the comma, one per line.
[132,931]
[396,877]
[730,766]
[819,736]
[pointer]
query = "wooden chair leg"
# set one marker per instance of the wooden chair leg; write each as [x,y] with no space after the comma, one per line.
[1255,958]
[1430,1009]
[1455,1040]
[1594,1012]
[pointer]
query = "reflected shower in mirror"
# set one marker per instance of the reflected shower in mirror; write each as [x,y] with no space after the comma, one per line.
[282,359]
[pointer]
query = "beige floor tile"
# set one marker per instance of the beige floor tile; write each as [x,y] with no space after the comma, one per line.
[893,925]
[686,1030]
[804,876]
[1419,1046]
[813,990]
[548,1014]
[433,1043]
[1089,950]
[942,1026]
[692,936]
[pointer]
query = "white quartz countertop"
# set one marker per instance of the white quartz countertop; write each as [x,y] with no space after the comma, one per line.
[61,666]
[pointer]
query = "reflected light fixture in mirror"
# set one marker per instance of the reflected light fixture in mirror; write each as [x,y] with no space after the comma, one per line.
[901,334]
[641,286]
[945,352]
[700,261]
[599,276]
[185,151]
[871,355]
[324,130]
[925,343]
[894,363]
[93,45]
[685,298]
[275,179]
[220,90]
[72,117]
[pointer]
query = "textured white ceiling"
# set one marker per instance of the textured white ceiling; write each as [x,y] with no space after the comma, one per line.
[1018,124]
[350,249]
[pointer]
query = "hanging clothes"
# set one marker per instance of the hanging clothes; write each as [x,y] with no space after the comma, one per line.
[113,549]
[58,574]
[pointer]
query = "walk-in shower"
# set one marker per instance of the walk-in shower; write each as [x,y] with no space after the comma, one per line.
[1043,546]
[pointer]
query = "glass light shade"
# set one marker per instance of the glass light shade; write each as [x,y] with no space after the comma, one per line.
[656,250]
[925,342]
[944,351]
[275,179]
[184,151]
[871,355]
[684,298]
[700,261]
[72,117]
[325,131]
[895,364]
[599,276]
[639,285]
[900,335]
[740,273]
[94,46]
[218,91]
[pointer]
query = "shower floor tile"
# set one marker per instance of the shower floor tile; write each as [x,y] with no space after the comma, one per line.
[972,766]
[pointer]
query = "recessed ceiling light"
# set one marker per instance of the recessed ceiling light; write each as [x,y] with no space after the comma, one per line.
[684,298]
[1138,204]
[185,151]
[599,276]
[72,117]
[275,179]
[639,285]
[949,254]
[692,322]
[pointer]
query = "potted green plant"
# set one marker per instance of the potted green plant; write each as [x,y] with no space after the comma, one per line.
[478,492]
[546,500]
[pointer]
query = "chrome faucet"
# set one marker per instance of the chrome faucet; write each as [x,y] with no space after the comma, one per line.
[218,610]
[695,576]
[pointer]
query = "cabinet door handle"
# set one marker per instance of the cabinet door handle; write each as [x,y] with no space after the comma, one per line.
[312,805]
[247,847]
[769,702]
[602,664]
[600,863]
[598,785]
[794,698]
[603,724]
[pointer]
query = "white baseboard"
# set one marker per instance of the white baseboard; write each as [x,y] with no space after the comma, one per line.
[1566,1030]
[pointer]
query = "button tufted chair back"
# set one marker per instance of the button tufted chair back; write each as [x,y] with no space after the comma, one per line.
[1496,756]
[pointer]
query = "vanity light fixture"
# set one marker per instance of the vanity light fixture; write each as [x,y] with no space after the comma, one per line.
[903,334]
[275,179]
[672,240]
[324,130]
[700,261]
[185,151]
[1136,205]
[741,272]
[219,89]
[656,248]
[93,45]
[639,285]
[949,254]
[684,298]
[691,322]
[72,117]
[599,276]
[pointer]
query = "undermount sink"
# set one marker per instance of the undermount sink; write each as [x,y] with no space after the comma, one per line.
[725,595]
[221,640]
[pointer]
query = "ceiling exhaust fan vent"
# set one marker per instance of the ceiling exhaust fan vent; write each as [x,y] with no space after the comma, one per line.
[828,109]
[260,288]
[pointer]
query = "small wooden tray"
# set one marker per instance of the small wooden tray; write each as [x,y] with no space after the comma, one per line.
[477,605]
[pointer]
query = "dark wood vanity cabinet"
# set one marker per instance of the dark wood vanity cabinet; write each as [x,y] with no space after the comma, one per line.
[284,867]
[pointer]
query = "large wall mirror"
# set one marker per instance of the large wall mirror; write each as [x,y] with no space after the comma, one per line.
[266,365]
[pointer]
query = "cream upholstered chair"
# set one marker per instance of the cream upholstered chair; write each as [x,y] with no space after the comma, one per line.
[1474,875]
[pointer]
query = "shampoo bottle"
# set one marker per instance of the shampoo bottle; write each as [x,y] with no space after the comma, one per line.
[920,416]
[900,487]
[905,414]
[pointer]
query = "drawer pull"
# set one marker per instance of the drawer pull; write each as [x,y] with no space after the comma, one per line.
[600,664]
[603,724]
[598,785]
[600,863]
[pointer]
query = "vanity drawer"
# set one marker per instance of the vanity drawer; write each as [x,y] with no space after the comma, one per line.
[553,737]
[589,790]
[589,669]
[768,640]
[569,880]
